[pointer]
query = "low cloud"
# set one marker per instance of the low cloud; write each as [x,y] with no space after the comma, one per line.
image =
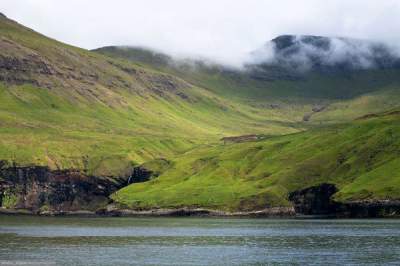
[223,31]
[305,52]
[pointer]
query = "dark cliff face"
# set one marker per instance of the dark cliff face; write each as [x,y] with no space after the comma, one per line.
[314,200]
[317,200]
[150,170]
[140,174]
[27,67]
[40,189]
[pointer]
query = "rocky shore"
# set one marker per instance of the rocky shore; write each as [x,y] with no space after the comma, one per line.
[318,201]
[381,209]
[277,212]
[37,190]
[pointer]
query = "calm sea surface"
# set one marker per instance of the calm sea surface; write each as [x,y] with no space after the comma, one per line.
[26,240]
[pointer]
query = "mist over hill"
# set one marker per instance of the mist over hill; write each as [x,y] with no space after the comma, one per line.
[300,53]
[306,52]
[303,60]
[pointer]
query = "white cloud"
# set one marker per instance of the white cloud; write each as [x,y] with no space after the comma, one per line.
[223,30]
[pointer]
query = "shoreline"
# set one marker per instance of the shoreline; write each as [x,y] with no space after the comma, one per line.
[276,212]
[269,213]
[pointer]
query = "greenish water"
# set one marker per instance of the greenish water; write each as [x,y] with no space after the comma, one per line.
[26,240]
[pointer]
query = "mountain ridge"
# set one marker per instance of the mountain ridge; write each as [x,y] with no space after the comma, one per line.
[284,47]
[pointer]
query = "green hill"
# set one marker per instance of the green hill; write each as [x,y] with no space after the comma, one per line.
[361,158]
[67,107]
[290,93]
[105,112]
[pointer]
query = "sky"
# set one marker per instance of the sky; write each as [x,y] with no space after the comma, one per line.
[222,30]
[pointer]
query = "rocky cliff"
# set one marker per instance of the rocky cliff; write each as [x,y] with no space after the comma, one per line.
[318,201]
[44,191]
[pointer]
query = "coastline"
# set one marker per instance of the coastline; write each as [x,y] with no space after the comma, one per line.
[358,210]
[275,212]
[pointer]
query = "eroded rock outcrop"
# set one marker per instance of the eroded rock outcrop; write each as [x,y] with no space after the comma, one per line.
[140,174]
[41,190]
[149,170]
[370,209]
[317,200]
[20,65]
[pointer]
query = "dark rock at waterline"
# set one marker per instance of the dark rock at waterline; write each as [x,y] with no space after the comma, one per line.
[317,201]
[39,190]
[114,210]
[314,200]
[370,209]
[42,190]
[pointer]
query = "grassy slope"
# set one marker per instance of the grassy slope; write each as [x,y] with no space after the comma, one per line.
[361,157]
[104,114]
[351,94]
[125,115]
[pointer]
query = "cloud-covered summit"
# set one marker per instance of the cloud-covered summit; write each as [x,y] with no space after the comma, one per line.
[307,52]
[292,54]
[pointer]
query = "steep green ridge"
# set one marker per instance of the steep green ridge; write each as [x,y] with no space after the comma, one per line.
[264,82]
[282,90]
[67,107]
[361,158]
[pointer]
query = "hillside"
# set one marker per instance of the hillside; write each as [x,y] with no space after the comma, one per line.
[66,107]
[361,158]
[330,77]
[78,126]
